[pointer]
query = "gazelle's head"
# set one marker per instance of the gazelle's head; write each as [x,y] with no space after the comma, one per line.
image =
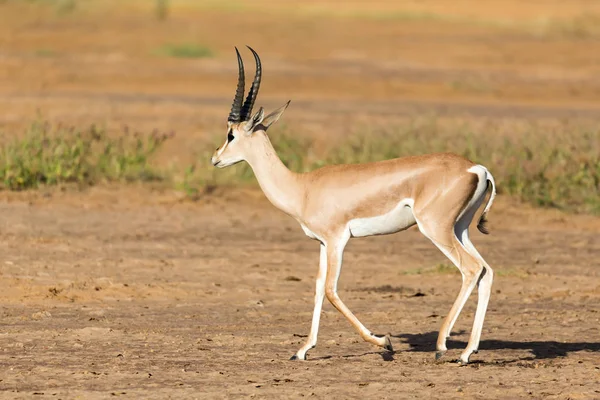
[244,130]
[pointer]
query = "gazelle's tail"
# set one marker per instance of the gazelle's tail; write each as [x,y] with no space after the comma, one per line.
[483,220]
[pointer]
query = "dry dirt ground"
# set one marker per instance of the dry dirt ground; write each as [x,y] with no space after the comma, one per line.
[133,292]
[157,298]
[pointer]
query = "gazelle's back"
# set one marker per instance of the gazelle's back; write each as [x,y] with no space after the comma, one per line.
[371,189]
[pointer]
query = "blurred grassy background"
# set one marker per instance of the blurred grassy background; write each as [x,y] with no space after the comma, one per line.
[513,85]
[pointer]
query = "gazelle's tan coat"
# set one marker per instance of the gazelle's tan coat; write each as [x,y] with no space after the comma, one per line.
[438,192]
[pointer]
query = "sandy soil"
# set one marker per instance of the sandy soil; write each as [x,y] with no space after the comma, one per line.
[133,292]
[104,292]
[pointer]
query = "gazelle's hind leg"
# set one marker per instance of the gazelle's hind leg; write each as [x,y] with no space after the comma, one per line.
[484,286]
[469,266]
[452,238]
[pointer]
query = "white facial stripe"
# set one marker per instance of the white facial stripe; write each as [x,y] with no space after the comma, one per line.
[222,148]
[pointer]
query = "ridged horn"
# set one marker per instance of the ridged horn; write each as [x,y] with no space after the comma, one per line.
[236,108]
[251,98]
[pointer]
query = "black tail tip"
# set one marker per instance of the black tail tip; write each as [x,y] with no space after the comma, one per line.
[481,225]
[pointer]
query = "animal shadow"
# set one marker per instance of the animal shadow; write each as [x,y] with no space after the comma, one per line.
[425,342]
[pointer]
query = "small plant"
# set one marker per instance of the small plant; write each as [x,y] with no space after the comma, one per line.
[441,269]
[45,53]
[583,26]
[65,6]
[185,50]
[162,9]
[49,155]
[445,269]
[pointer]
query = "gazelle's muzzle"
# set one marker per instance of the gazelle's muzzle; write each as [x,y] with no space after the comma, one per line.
[216,157]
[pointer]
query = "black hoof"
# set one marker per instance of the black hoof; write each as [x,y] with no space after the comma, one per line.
[439,354]
[388,344]
[294,358]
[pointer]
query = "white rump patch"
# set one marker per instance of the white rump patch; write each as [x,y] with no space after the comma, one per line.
[396,220]
[477,169]
[479,194]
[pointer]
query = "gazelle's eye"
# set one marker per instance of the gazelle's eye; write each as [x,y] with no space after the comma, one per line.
[230,137]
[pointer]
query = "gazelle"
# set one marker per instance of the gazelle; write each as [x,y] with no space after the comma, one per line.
[440,193]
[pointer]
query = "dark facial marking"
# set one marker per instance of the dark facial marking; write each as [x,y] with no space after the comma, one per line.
[230,137]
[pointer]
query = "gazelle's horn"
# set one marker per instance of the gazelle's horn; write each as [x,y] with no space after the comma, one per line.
[236,108]
[251,98]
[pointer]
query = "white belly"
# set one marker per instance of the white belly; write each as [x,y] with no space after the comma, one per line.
[400,218]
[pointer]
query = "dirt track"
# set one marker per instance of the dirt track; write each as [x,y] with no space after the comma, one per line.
[157,298]
[124,291]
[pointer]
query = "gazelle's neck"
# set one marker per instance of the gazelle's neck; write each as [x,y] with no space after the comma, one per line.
[281,186]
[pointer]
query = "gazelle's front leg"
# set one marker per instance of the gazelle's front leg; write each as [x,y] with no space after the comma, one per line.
[335,252]
[319,296]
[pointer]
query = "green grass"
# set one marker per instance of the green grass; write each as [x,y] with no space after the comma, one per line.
[439,269]
[61,6]
[511,272]
[584,26]
[162,9]
[45,53]
[547,166]
[48,155]
[450,269]
[185,50]
[554,165]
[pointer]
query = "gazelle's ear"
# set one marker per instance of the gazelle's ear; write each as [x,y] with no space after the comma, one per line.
[256,119]
[274,116]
